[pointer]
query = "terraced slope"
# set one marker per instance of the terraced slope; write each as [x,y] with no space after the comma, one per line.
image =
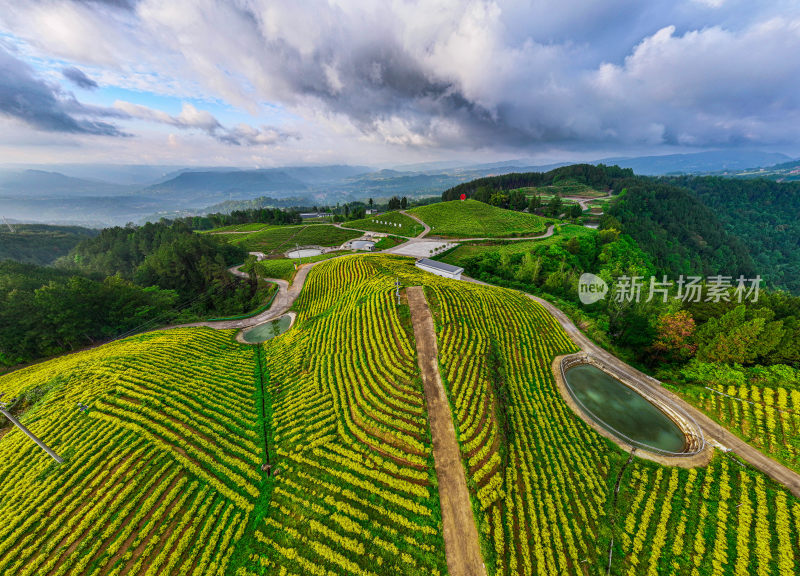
[473,219]
[544,481]
[767,417]
[160,475]
[357,491]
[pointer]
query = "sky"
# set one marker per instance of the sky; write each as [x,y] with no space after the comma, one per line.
[273,82]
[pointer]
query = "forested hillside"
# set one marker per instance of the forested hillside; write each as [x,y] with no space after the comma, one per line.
[38,243]
[682,235]
[765,215]
[116,282]
[600,177]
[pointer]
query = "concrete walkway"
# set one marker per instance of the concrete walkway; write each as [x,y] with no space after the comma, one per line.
[462,547]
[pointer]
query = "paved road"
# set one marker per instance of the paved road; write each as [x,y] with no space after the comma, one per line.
[422,245]
[280,305]
[547,234]
[461,544]
[718,434]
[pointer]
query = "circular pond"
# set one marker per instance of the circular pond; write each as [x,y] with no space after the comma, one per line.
[268,330]
[621,410]
[304,253]
[362,245]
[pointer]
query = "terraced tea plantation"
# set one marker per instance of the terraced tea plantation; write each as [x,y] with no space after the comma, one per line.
[159,476]
[544,481]
[473,219]
[163,474]
[765,417]
[357,491]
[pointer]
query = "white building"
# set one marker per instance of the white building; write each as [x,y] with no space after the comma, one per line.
[439,268]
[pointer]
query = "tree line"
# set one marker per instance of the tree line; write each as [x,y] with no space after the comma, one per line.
[108,285]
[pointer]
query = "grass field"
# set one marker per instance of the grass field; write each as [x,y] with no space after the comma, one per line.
[388,242]
[390,223]
[285,267]
[249,227]
[473,219]
[279,239]
[561,232]
[565,188]
[162,475]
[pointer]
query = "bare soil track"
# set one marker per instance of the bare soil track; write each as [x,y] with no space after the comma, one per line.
[462,547]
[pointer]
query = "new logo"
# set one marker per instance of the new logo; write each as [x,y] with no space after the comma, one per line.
[591,288]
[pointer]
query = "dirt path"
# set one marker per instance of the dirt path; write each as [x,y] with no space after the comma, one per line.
[462,547]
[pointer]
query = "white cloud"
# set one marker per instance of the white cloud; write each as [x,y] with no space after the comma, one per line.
[446,74]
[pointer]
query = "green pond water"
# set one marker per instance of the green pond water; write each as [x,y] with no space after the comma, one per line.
[618,407]
[268,330]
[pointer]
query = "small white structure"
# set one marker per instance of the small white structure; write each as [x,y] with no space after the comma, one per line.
[439,268]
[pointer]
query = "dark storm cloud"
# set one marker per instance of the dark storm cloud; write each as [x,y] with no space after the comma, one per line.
[477,73]
[77,77]
[27,98]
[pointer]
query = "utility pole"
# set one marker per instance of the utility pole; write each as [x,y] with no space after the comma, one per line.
[4,411]
[10,227]
[397,286]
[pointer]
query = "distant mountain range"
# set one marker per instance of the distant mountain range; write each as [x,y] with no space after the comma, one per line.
[74,194]
[699,162]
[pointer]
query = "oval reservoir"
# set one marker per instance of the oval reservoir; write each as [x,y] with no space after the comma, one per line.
[304,253]
[268,330]
[620,409]
[362,245]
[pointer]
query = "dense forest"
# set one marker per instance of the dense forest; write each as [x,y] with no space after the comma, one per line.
[244,216]
[39,243]
[680,233]
[599,177]
[764,214]
[121,280]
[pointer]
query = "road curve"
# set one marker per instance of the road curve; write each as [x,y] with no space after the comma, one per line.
[547,233]
[425,227]
[719,434]
[280,305]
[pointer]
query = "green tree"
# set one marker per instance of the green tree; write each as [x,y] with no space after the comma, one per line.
[554,206]
[535,204]
[517,200]
[675,336]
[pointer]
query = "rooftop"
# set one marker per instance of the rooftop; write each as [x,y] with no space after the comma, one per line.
[439,265]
